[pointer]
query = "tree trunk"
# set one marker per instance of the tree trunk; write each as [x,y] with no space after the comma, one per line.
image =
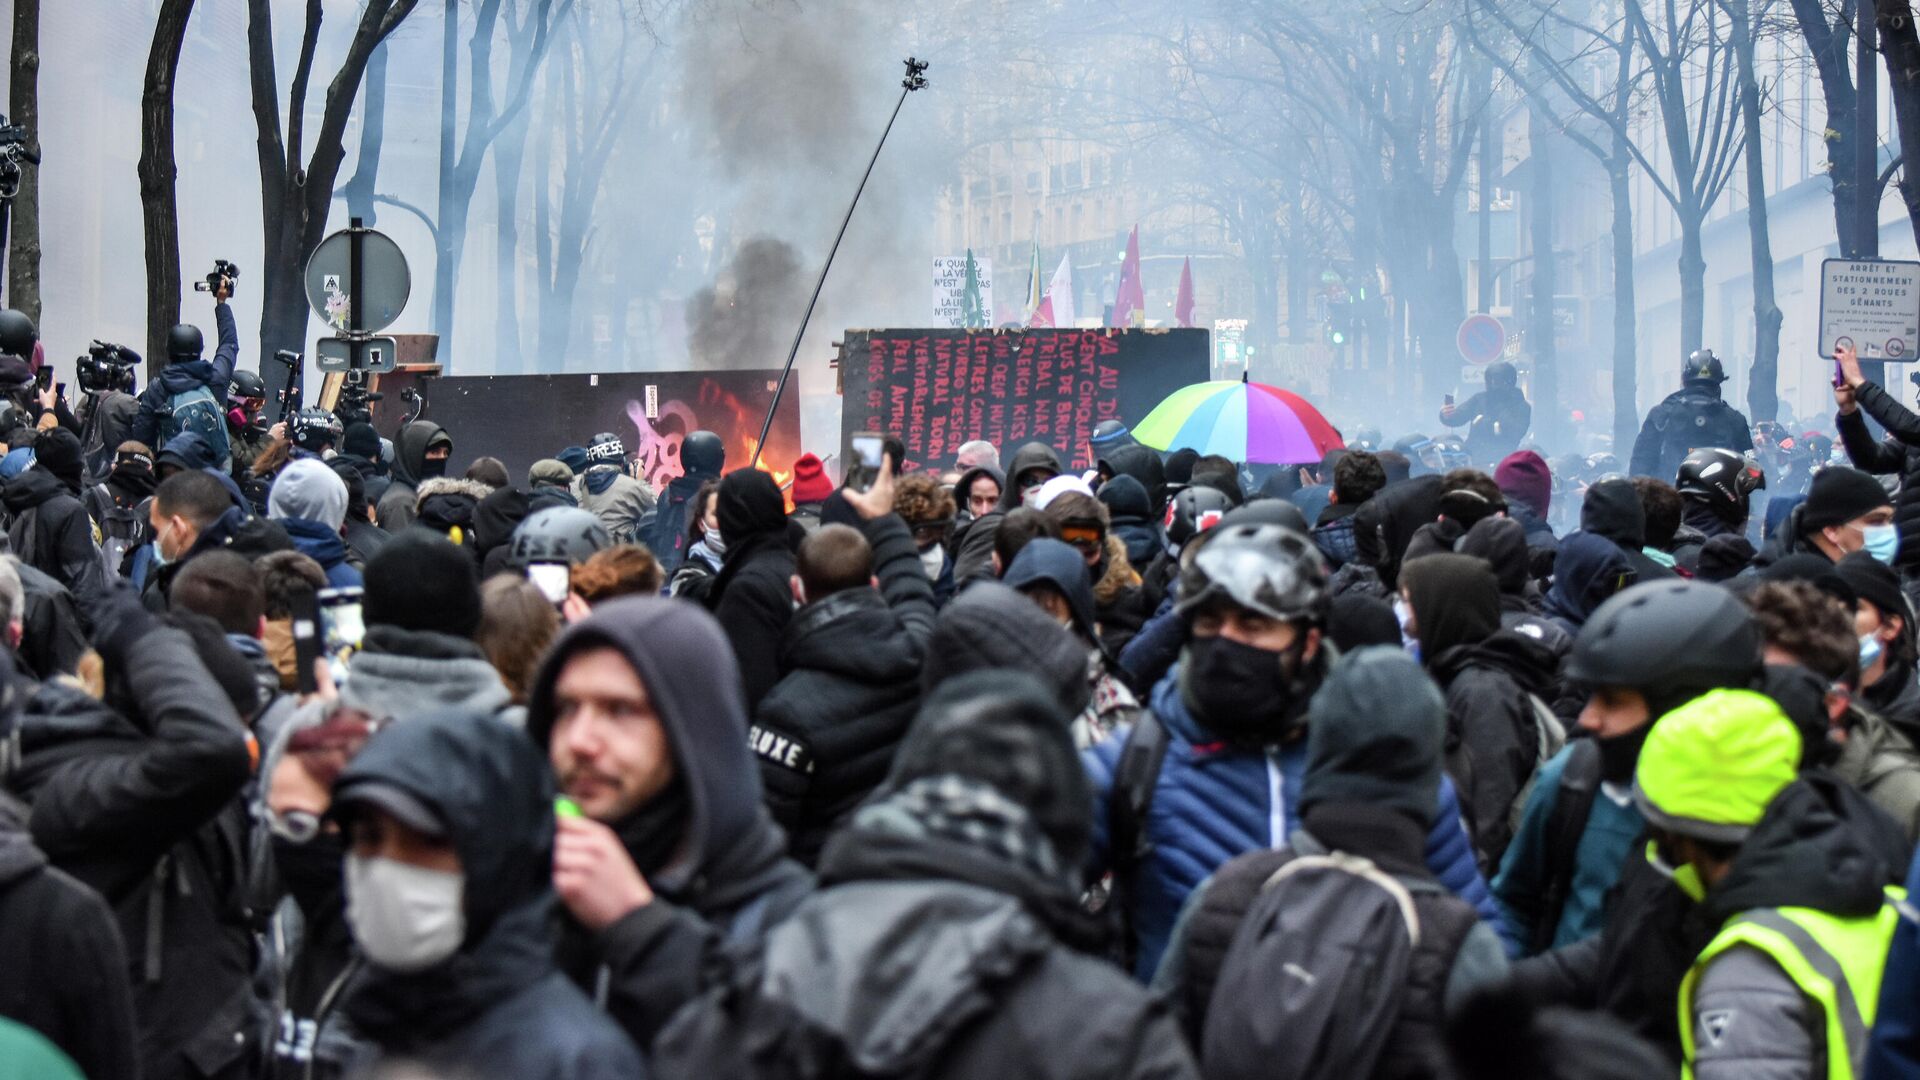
[1763,399]
[1901,47]
[296,201]
[23,94]
[1626,373]
[160,213]
[1693,282]
[365,181]
[1828,51]
[444,229]
[508,155]
[1540,330]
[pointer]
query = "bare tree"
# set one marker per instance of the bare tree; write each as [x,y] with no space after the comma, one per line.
[23,105]
[1763,392]
[1686,46]
[589,95]
[160,213]
[486,121]
[296,199]
[363,185]
[1855,211]
[1584,73]
[1901,46]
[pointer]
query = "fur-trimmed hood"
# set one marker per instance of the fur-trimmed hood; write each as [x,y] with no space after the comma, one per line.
[448,485]
[1120,575]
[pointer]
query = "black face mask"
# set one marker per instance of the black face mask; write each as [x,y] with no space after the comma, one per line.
[433,468]
[1620,753]
[1249,696]
[312,871]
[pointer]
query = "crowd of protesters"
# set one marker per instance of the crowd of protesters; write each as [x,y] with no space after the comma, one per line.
[316,761]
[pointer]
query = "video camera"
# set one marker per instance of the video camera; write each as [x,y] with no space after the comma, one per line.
[290,391]
[15,147]
[222,271]
[355,403]
[106,368]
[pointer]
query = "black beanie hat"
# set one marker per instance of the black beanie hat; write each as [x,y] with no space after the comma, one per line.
[1839,495]
[1876,583]
[420,581]
[58,452]
[1375,732]
[362,441]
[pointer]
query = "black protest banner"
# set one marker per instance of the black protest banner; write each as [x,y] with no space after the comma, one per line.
[523,418]
[938,389]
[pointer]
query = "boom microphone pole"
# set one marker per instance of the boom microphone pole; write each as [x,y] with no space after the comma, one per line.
[916,80]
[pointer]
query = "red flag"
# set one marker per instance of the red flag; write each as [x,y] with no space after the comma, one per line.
[1042,315]
[1130,300]
[1183,305]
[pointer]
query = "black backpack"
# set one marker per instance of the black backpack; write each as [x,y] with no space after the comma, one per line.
[1566,824]
[118,529]
[1312,984]
[1135,777]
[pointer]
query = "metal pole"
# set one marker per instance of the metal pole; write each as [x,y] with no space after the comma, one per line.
[356,249]
[915,80]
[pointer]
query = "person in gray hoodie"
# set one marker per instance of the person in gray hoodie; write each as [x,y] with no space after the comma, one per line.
[675,855]
[606,489]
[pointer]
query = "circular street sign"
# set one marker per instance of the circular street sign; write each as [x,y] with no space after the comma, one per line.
[383,295]
[1896,347]
[1481,339]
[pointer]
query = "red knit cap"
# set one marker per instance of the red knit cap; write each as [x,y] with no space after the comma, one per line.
[810,483]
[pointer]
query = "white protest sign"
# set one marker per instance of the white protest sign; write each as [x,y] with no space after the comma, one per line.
[950,289]
[1871,304]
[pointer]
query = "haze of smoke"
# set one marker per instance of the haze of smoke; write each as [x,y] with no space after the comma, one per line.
[744,319]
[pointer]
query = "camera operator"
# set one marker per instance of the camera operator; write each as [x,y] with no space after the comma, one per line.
[19,337]
[248,433]
[191,393]
[107,405]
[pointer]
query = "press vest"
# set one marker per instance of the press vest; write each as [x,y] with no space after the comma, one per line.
[1836,962]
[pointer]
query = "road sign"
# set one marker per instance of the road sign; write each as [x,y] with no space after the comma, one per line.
[376,353]
[1481,339]
[1871,304]
[383,293]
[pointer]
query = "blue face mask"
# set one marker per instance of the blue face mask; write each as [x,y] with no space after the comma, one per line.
[1869,650]
[1883,541]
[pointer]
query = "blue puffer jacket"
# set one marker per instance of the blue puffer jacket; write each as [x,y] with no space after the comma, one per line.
[1214,803]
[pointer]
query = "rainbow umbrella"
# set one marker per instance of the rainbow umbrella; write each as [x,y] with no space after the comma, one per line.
[1243,421]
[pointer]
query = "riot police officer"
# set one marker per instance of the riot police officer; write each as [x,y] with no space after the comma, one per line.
[1690,418]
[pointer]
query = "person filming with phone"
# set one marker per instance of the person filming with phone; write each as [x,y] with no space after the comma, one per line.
[1899,452]
[190,393]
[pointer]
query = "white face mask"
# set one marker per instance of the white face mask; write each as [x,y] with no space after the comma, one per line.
[933,560]
[406,918]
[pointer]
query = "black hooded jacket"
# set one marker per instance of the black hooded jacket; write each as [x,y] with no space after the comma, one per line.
[1898,453]
[728,877]
[1133,520]
[493,523]
[826,733]
[143,805]
[973,552]
[52,533]
[395,509]
[1144,465]
[1612,509]
[928,954]
[499,1006]
[752,596]
[66,965]
[1486,673]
